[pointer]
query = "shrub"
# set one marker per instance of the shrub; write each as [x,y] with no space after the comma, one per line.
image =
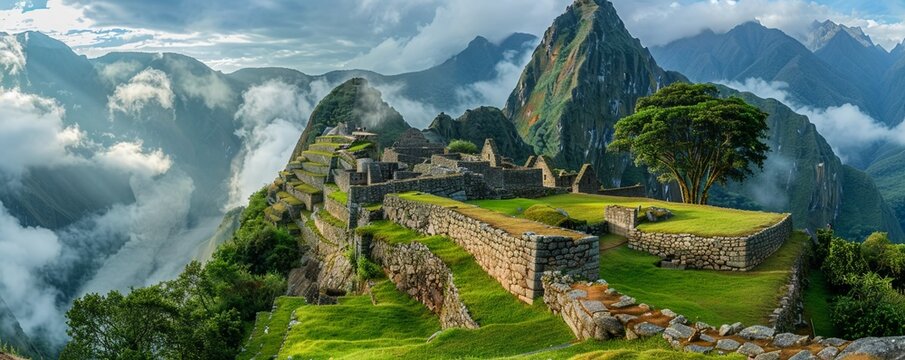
[843,260]
[462,146]
[367,269]
[873,246]
[822,249]
[871,308]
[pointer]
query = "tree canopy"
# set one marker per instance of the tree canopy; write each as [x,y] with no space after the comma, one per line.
[462,146]
[687,134]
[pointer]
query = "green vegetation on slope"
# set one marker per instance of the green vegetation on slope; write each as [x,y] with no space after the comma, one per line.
[715,297]
[270,328]
[816,298]
[691,219]
[356,328]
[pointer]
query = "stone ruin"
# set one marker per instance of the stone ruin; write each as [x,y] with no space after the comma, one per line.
[584,181]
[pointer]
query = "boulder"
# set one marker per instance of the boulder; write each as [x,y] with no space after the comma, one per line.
[727,330]
[698,348]
[607,326]
[679,320]
[647,329]
[750,349]
[785,340]
[828,353]
[886,348]
[773,355]
[624,301]
[727,345]
[835,342]
[803,355]
[625,318]
[678,331]
[757,332]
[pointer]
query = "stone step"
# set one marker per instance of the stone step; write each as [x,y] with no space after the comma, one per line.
[316,168]
[310,178]
[324,147]
[333,140]
[319,157]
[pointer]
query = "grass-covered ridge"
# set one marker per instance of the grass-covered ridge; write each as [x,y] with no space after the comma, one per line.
[688,219]
[514,226]
[715,297]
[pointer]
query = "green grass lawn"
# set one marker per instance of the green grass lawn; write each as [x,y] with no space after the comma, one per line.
[270,329]
[715,297]
[817,304]
[354,328]
[650,348]
[514,226]
[688,219]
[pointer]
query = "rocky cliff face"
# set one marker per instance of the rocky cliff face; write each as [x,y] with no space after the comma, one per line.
[804,177]
[478,124]
[357,104]
[587,73]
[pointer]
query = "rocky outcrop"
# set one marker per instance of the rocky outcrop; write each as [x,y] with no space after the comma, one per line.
[587,73]
[593,310]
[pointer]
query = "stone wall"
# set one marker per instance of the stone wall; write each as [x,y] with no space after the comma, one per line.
[736,253]
[788,314]
[627,191]
[421,274]
[517,262]
[337,209]
[447,186]
[332,233]
[347,178]
[621,220]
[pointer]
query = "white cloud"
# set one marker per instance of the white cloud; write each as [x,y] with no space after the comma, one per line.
[273,116]
[454,24]
[129,157]
[846,128]
[32,131]
[496,91]
[656,24]
[24,253]
[12,59]
[210,87]
[146,87]
[118,72]
[415,113]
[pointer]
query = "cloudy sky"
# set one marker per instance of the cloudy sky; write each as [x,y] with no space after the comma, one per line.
[391,36]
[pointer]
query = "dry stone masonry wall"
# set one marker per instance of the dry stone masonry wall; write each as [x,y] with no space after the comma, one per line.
[421,274]
[736,253]
[517,262]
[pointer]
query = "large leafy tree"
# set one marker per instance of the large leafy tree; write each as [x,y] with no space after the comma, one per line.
[687,134]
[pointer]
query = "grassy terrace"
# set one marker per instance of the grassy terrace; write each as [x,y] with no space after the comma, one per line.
[715,297]
[269,329]
[359,146]
[305,188]
[398,327]
[514,226]
[688,219]
[289,199]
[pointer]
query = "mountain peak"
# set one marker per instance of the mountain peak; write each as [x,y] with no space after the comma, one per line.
[821,33]
[357,104]
[572,92]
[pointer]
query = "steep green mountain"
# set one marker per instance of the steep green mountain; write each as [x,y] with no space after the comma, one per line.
[751,50]
[574,90]
[475,125]
[804,177]
[587,73]
[359,105]
[845,68]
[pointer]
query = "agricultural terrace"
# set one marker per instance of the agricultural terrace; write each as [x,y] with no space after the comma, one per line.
[699,220]
[711,296]
[503,221]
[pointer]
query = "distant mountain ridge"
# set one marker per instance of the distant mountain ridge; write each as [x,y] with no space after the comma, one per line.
[846,67]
